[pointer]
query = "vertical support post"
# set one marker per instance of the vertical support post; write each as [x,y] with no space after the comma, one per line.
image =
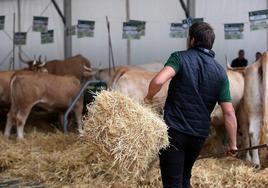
[14,27]
[191,8]
[191,12]
[267,30]
[19,26]
[68,23]
[128,40]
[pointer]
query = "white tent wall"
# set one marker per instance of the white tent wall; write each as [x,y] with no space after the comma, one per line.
[154,46]
[7,9]
[30,8]
[96,48]
[218,12]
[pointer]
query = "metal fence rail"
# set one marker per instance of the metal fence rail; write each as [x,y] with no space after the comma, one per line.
[70,108]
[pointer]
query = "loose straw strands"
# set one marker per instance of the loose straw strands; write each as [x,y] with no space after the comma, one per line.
[130,135]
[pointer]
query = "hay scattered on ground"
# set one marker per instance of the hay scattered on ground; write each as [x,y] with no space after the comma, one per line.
[228,172]
[58,160]
[127,134]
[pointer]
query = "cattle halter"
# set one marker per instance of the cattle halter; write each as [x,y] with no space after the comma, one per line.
[234,151]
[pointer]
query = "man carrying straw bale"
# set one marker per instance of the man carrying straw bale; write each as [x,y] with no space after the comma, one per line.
[197,83]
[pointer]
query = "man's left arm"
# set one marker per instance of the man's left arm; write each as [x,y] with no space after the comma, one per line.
[157,82]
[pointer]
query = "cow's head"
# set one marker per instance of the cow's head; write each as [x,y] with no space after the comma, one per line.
[36,65]
[89,72]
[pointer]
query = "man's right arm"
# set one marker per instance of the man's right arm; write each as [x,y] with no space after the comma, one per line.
[225,101]
[230,123]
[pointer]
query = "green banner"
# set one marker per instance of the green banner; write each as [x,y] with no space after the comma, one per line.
[47,37]
[133,29]
[2,22]
[20,38]
[234,31]
[177,30]
[40,24]
[190,21]
[85,28]
[258,19]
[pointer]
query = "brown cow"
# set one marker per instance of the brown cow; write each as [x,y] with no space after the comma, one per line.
[45,90]
[5,77]
[77,66]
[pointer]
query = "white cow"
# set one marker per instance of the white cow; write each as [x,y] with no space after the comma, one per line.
[255,105]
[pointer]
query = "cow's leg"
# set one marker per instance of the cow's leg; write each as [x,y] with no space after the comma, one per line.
[220,137]
[254,132]
[10,121]
[20,121]
[243,131]
[8,125]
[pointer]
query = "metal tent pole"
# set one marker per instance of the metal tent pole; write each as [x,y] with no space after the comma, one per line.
[12,65]
[128,40]
[68,22]
[68,111]
[19,26]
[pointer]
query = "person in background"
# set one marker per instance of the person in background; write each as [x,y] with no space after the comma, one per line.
[240,61]
[197,83]
[257,56]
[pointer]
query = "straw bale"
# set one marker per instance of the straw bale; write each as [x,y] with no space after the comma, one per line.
[128,134]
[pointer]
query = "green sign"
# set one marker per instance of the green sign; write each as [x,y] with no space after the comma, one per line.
[20,38]
[258,19]
[177,30]
[190,21]
[2,22]
[85,28]
[133,29]
[47,37]
[40,24]
[234,31]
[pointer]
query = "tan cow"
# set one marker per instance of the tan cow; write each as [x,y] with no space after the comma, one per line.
[236,80]
[77,66]
[5,77]
[134,83]
[51,92]
[255,104]
[107,74]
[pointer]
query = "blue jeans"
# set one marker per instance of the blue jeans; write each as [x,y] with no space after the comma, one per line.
[176,161]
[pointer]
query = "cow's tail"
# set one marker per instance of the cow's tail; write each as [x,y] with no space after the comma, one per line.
[13,107]
[264,127]
[11,88]
[120,72]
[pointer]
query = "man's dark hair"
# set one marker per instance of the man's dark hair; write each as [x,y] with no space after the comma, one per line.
[241,51]
[203,34]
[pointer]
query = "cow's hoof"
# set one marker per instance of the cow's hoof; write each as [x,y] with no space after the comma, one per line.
[20,139]
[6,136]
[257,166]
